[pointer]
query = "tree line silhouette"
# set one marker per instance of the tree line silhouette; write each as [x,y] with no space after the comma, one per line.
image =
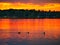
[28,14]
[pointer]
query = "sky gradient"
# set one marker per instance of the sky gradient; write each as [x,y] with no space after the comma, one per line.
[31,4]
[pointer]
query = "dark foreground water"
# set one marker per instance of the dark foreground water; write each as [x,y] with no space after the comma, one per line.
[24,38]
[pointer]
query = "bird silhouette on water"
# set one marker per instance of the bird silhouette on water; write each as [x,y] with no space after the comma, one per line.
[44,33]
[19,32]
[27,32]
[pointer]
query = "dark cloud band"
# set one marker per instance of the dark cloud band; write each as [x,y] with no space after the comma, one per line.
[32,1]
[22,1]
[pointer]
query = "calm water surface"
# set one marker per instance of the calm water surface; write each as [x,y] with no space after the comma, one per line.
[29,31]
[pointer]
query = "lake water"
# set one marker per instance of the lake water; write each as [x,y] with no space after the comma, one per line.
[29,31]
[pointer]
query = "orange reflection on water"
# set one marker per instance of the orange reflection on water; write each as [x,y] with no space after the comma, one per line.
[4,24]
[50,26]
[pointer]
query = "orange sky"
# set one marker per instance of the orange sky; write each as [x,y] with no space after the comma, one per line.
[46,7]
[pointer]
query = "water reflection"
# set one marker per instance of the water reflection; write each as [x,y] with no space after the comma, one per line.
[27,38]
[30,32]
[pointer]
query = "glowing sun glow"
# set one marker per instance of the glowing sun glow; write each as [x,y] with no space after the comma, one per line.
[46,7]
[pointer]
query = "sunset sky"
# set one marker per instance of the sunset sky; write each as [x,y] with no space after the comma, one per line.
[31,4]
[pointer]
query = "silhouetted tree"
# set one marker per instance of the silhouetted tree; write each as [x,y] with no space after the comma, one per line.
[21,13]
